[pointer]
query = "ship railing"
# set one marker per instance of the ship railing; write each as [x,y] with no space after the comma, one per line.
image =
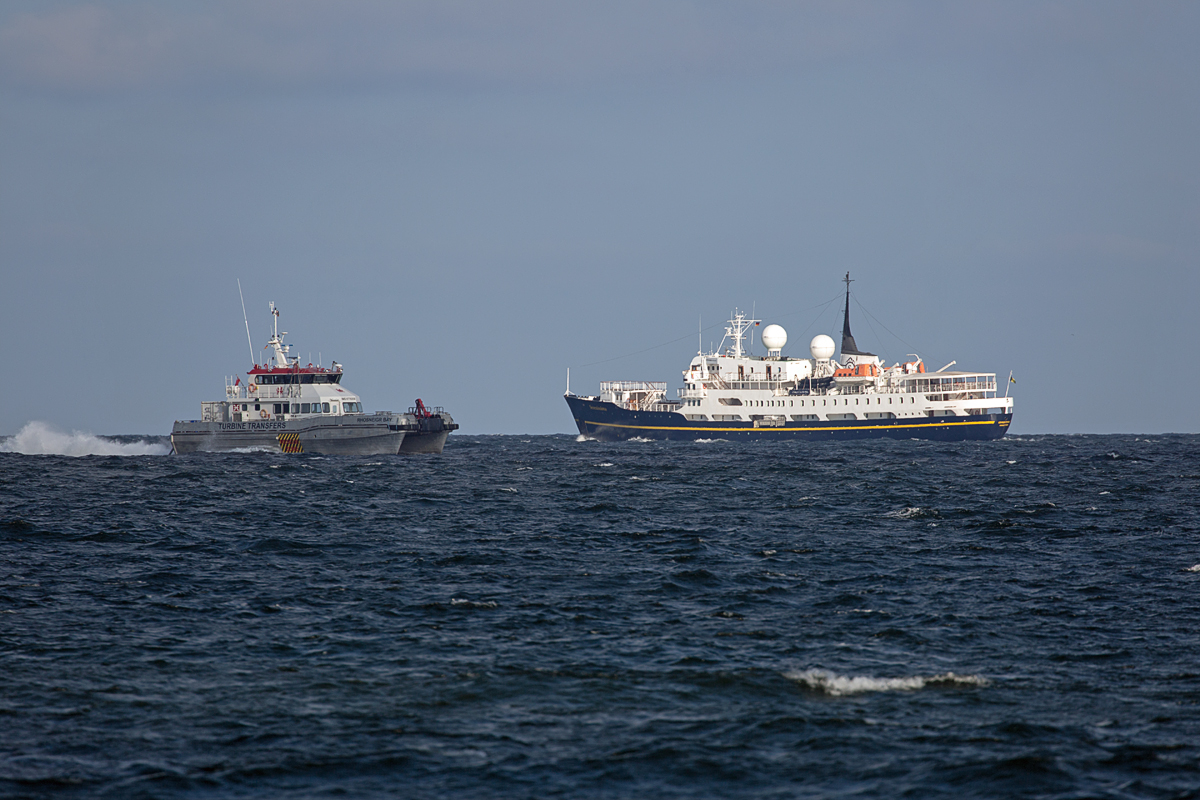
[712,380]
[771,384]
[687,394]
[263,393]
[270,394]
[941,385]
[633,386]
[656,405]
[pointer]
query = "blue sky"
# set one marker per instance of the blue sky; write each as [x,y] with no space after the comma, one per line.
[459,200]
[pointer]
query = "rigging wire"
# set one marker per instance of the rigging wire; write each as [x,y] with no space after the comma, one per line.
[820,314]
[822,306]
[647,350]
[871,316]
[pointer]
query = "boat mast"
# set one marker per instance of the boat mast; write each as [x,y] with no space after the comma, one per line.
[249,341]
[848,345]
[738,326]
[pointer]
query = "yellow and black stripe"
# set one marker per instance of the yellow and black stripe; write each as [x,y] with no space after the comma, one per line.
[290,443]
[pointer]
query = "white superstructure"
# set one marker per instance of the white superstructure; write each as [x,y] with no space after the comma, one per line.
[854,395]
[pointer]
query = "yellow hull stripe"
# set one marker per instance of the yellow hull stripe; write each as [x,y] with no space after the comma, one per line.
[792,429]
[290,443]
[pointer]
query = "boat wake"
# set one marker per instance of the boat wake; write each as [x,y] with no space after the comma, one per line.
[42,439]
[834,685]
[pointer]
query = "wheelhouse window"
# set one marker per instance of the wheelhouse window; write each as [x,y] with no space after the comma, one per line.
[285,378]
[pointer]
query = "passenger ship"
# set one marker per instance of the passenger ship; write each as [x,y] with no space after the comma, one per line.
[284,407]
[731,394]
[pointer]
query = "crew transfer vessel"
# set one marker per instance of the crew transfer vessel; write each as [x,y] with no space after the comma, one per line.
[286,407]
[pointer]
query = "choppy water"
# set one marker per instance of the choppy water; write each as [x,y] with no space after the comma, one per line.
[542,617]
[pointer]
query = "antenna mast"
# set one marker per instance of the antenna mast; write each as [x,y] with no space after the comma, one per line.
[247,321]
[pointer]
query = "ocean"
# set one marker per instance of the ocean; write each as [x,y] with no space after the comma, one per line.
[542,617]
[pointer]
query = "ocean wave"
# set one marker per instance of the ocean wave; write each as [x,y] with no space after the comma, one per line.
[42,439]
[912,512]
[462,602]
[834,685]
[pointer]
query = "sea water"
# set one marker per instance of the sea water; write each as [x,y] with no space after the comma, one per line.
[538,617]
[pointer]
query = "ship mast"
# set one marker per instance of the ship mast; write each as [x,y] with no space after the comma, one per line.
[738,326]
[276,344]
[848,345]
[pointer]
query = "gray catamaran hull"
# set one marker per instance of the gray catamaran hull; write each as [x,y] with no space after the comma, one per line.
[347,436]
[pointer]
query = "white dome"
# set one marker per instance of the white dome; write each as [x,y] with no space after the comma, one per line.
[774,337]
[822,346]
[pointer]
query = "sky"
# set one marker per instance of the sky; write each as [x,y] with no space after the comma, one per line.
[461,200]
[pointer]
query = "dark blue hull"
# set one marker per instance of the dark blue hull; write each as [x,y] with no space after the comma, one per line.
[608,422]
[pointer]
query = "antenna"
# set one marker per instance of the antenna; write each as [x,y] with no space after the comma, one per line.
[247,321]
[568,391]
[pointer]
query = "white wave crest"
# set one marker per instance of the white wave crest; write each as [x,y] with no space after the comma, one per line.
[835,685]
[582,438]
[461,601]
[40,439]
[906,513]
[1195,568]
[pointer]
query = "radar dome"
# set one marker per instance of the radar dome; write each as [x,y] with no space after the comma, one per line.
[774,337]
[822,346]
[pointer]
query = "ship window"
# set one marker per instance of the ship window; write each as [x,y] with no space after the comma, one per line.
[279,408]
[304,408]
[295,408]
[324,408]
[335,408]
[245,407]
